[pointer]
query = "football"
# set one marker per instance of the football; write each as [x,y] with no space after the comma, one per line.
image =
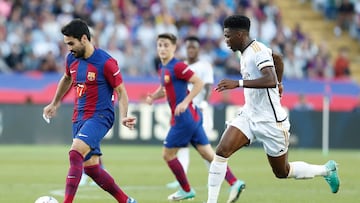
[46,199]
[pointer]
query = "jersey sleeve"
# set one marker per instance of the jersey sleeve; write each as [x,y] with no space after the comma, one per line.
[112,73]
[263,59]
[182,71]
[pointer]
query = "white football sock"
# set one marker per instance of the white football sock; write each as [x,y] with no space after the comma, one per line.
[217,173]
[303,170]
[183,156]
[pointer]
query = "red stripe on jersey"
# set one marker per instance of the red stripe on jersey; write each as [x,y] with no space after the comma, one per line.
[92,92]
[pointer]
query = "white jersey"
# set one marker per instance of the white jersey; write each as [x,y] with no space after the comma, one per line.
[205,72]
[260,104]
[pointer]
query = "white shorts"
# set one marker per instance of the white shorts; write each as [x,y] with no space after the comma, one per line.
[274,136]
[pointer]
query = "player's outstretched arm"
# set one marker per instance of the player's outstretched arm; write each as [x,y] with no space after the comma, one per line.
[123,105]
[63,87]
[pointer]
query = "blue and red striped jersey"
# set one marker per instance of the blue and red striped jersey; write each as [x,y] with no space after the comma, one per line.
[93,80]
[174,76]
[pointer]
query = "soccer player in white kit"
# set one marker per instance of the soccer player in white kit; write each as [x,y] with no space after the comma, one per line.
[262,117]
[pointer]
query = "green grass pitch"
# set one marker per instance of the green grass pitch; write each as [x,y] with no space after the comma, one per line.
[30,171]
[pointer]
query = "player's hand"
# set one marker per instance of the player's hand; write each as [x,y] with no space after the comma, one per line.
[49,111]
[149,100]
[226,84]
[129,122]
[281,89]
[180,108]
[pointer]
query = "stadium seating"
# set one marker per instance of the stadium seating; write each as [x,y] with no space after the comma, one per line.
[314,24]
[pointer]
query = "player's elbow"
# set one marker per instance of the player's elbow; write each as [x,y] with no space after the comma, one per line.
[271,82]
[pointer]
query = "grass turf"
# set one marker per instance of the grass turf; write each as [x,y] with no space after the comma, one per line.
[31,171]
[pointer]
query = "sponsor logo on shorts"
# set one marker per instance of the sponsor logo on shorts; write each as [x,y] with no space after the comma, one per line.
[82,135]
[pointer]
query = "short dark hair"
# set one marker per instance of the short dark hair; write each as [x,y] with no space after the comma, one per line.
[237,22]
[192,38]
[76,28]
[168,36]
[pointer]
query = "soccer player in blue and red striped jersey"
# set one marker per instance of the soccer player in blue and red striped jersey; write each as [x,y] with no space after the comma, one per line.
[95,76]
[186,119]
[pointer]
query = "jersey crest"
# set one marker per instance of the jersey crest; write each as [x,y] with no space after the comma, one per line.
[91,76]
[166,78]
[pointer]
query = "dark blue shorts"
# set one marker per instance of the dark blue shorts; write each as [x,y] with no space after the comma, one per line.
[91,131]
[184,132]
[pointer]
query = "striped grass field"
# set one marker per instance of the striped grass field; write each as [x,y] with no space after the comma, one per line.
[30,171]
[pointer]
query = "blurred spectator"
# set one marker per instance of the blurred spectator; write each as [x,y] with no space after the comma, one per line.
[342,64]
[128,29]
[5,8]
[293,67]
[305,51]
[345,12]
[330,9]
[303,104]
[355,27]
[48,64]
[15,59]
[298,32]
[165,23]
[210,28]
[317,67]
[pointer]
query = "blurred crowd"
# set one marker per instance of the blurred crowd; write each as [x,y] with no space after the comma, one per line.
[346,14]
[30,37]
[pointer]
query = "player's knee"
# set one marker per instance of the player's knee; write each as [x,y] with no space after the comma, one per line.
[223,152]
[168,157]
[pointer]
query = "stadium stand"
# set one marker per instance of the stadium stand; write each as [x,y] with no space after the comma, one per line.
[32,52]
[320,29]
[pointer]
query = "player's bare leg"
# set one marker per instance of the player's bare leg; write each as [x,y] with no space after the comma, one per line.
[232,140]
[302,170]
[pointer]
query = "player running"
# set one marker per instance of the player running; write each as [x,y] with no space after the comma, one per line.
[186,120]
[262,117]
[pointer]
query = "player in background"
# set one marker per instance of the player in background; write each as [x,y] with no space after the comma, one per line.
[95,76]
[262,117]
[205,72]
[186,119]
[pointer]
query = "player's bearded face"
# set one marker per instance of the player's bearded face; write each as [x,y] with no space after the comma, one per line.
[79,51]
[75,46]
